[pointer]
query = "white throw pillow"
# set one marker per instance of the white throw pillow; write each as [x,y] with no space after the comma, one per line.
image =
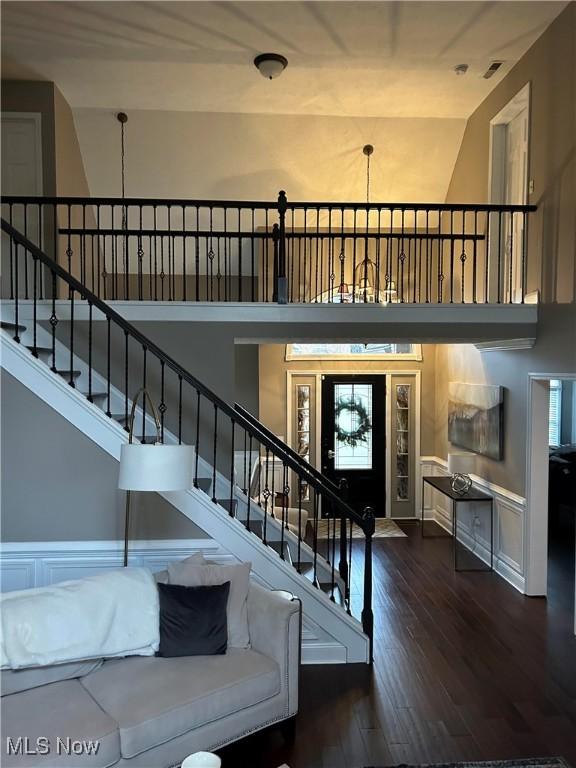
[195,571]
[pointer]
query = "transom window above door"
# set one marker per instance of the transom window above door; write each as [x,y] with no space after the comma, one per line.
[347,351]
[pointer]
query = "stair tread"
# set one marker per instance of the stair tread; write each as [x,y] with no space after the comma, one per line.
[281,547]
[38,348]
[204,483]
[12,327]
[68,372]
[95,395]
[326,587]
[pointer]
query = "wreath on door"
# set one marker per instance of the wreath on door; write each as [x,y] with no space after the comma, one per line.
[358,435]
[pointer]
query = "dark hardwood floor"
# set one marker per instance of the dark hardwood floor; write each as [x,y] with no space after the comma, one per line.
[466,668]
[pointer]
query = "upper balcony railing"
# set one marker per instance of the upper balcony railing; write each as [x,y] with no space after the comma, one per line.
[229,251]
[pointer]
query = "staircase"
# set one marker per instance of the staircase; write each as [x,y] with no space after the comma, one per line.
[248,485]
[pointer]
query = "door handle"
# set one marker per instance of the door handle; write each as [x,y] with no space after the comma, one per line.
[331,454]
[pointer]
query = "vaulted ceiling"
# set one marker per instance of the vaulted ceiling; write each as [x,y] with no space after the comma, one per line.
[360,59]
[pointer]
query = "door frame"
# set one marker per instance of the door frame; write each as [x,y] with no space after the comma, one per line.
[36,118]
[497,155]
[417,374]
[536,527]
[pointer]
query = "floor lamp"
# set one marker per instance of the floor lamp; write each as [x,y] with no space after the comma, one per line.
[157,467]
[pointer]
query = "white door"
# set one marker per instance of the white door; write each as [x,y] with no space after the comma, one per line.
[515,184]
[22,166]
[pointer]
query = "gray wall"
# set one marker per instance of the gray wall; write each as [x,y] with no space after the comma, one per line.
[550,68]
[247,376]
[57,485]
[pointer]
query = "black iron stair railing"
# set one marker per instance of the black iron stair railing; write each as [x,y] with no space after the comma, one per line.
[128,360]
[137,249]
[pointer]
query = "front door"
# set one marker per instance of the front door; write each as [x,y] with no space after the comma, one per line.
[353,437]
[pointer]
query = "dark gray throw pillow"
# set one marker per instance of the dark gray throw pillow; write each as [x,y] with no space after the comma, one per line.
[193,620]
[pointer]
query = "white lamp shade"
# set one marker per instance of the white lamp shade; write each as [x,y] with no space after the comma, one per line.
[156,467]
[461,463]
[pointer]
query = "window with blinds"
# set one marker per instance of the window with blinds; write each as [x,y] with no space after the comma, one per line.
[555,415]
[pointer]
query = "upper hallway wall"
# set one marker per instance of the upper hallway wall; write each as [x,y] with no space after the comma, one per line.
[219,155]
[550,67]
[29,96]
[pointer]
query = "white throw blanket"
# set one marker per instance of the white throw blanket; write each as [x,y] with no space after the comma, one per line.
[115,613]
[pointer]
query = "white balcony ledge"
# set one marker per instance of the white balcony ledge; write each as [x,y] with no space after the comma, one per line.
[488,325]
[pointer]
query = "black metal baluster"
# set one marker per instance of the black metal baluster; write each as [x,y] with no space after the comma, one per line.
[140,254]
[126,377]
[350,563]
[26,296]
[511,259]
[451,257]
[499,294]
[155,218]
[170,257]
[523,266]
[179,409]
[214,454]
[35,307]
[253,258]
[300,494]
[162,406]
[266,494]
[53,320]
[315,535]
[13,263]
[197,445]
[367,614]
[90,399]
[232,510]
[144,382]
[248,492]
[42,246]
[343,564]
[475,259]
[378,255]
[354,286]
[162,271]
[71,381]
[333,555]
[184,263]
[285,483]
[16,294]
[83,247]
[108,362]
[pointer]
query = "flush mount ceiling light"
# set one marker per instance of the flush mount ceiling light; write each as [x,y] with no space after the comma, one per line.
[270,65]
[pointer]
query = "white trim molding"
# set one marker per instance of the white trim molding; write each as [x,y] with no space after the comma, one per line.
[506,345]
[509,523]
[24,565]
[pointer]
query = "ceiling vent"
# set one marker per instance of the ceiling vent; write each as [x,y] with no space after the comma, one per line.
[494,67]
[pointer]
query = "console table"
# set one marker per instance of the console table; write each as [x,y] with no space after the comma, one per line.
[442,485]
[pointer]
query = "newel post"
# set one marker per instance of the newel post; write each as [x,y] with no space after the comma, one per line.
[343,565]
[367,614]
[281,281]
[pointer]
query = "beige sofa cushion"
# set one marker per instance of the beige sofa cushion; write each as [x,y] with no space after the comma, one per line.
[61,710]
[16,680]
[195,571]
[156,699]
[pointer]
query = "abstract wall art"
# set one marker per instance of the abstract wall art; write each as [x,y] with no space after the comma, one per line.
[475,418]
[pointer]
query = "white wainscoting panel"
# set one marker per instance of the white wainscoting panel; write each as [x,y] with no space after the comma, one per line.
[474,522]
[37,564]
[24,565]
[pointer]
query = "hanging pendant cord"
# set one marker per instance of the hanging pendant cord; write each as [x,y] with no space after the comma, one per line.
[123,158]
[367,178]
